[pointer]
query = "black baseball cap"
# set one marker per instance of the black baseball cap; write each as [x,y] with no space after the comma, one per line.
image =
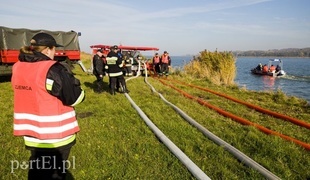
[44,39]
[115,47]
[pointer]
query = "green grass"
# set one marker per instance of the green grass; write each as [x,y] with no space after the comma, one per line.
[115,143]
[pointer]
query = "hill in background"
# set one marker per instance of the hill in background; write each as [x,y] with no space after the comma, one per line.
[288,52]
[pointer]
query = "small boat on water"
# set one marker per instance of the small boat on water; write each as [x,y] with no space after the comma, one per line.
[274,68]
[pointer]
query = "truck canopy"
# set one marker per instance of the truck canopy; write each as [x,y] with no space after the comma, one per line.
[14,39]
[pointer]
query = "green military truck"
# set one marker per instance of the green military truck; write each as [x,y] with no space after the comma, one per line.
[12,39]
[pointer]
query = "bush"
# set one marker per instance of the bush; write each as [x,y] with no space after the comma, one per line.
[218,67]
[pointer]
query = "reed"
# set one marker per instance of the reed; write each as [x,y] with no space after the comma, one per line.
[218,67]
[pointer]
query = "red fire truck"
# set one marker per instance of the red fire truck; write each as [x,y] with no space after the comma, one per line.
[12,39]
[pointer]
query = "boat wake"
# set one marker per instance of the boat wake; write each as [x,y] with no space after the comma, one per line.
[297,78]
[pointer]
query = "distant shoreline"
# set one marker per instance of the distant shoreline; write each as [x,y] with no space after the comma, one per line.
[274,57]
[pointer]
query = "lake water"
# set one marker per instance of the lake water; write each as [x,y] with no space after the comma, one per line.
[295,83]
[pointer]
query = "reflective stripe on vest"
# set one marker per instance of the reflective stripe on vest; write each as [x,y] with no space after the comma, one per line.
[46,118]
[45,127]
[50,143]
[111,60]
[79,99]
[115,74]
[128,62]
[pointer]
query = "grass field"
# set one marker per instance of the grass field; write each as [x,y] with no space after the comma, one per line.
[115,143]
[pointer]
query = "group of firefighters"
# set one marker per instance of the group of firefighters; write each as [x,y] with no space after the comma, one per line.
[117,64]
[160,65]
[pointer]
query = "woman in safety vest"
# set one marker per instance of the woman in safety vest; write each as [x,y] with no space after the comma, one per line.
[45,94]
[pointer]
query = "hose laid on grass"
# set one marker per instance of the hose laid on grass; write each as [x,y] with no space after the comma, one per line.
[239,119]
[191,166]
[238,154]
[260,109]
[137,74]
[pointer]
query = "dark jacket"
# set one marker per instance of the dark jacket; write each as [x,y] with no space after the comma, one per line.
[114,67]
[98,65]
[65,87]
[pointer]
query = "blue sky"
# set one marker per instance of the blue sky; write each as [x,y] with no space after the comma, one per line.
[178,26]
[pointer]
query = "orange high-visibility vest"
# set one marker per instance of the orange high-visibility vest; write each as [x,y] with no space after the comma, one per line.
[164,59]
[272,68]
[156,60]
[265,68]
[36,112]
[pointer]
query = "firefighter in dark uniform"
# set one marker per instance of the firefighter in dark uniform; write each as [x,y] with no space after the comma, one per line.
[99,70]
[128,64]
[113,67]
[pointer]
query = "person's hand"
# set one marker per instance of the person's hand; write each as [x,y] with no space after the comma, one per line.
[77,82]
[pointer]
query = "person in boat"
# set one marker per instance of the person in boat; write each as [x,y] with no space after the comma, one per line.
[259,67]
[265,68]
[272,69]
[278,68]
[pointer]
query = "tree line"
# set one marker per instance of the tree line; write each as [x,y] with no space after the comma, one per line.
[289,52]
